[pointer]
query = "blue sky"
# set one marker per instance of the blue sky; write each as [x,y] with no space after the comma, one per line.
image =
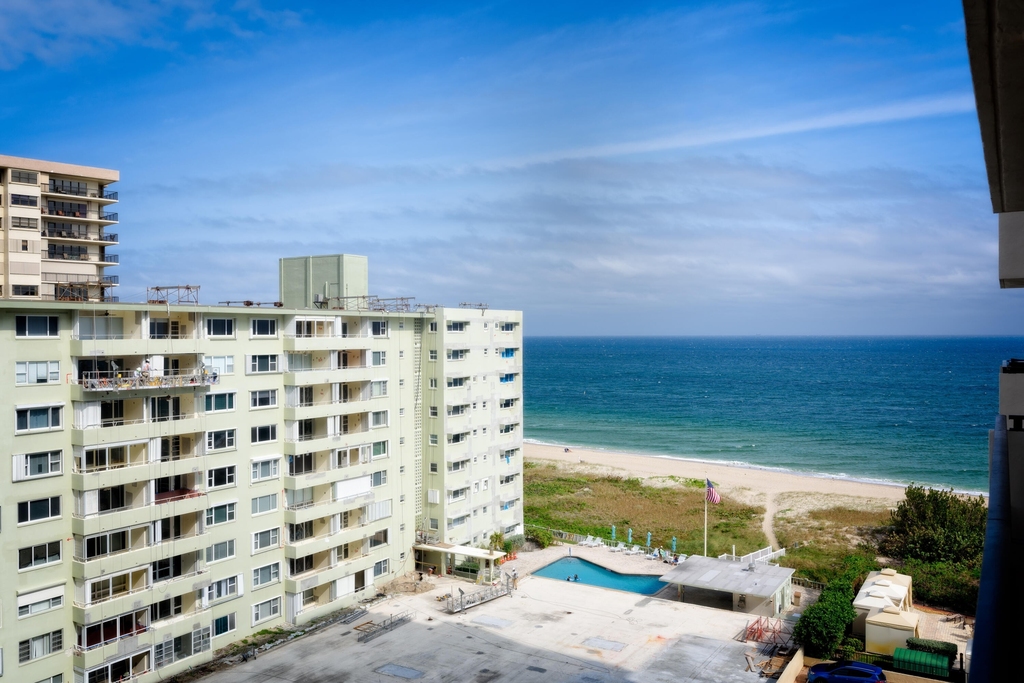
[621,168]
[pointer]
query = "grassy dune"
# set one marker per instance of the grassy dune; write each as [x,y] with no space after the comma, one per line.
[560,498]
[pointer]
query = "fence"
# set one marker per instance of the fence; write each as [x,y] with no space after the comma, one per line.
[807,583]
[764,556]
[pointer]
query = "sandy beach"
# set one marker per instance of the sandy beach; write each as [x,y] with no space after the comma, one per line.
[774,491]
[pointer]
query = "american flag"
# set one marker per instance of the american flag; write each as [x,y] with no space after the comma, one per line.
[712,495]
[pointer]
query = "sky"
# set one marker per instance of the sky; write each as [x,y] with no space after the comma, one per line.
[640,168]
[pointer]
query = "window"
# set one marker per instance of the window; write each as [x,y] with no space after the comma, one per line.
[19,222]
[458,410]
[267,503]
[220,327]
[507,402]
[433,523]
[263,363]
[378,539]
[37,465]
[38,510]
[508,378]
[508,327]
[432,354]
[458,494]
[379,328]
[507,429]
[220,551]
[379,388]
[221,514]
[266,610]
[456,327]
[224,624]
[380,449]
[508,353]
[24,200]
[261,540]
[458,466]
[24,290]
[263,434]
[433,468]
[270,573]
[265,469]
[379,478]
[40,646]
[220,365]
[265,398]
[433,383]
[222,589]
[262,327]
[298,532]
[457,381]
[26,177]
[458,438]
[216,403]
[222,476]
[300,565]
[380,568]
[301,464]
[379,418]
[41,601]
[36,326]
[508,505]
[433,439]
[38,419]
[37,372]
[39,555]
[220,439]
[457,354]
[458,521]
[379,358]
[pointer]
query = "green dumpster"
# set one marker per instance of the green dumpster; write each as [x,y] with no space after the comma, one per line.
[915,661]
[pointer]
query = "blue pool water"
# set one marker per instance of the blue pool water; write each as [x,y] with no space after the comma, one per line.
[595,575]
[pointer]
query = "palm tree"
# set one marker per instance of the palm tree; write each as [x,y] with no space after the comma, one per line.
[497,541]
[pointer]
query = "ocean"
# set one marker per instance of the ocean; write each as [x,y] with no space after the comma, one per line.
[886,409]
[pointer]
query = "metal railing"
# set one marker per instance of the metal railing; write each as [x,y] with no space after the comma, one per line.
[807,583]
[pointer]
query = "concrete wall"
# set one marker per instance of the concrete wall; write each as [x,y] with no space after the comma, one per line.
[794,668]
[335,275]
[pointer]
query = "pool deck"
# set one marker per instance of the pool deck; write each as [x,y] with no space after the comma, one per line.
[547,630]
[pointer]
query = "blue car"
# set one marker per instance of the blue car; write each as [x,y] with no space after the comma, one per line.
[845,672]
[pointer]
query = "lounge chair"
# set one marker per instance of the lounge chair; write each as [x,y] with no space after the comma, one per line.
[598,542]
[588,542]
[618,548]
[635,551]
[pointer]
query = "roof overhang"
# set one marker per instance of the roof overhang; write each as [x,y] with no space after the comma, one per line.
[464,550]
[995,45]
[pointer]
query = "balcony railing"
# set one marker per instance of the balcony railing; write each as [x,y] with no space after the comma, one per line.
[328,402]
[350,366]
[320,334]
[79,234]
[110,195]
[121,422]
[134,632]
[54,255]
[117,381]
[176,495]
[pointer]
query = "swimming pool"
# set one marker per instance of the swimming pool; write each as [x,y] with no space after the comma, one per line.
[596,575]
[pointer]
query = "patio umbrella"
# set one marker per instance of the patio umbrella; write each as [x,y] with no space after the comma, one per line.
[673,544]
[648,539]
[630,538]
[613,532]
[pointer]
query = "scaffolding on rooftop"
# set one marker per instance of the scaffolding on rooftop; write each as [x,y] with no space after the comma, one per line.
[173,295]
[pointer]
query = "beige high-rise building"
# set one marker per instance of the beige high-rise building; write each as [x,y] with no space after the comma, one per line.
[54,219]
[179,477]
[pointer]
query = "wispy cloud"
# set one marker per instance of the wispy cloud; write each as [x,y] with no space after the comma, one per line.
[905,110]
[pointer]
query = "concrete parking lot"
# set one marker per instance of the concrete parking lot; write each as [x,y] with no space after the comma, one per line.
[548,631]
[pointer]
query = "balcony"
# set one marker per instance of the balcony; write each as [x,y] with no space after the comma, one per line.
[115,380]
[54,254]
[79,213]
[77,189]
[80,233]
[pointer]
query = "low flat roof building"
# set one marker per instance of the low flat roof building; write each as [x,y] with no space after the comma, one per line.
[755,588]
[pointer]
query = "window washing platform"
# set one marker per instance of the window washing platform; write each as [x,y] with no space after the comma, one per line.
[370,630]
[463,601]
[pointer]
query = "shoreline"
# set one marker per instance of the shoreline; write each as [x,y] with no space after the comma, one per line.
[730,465]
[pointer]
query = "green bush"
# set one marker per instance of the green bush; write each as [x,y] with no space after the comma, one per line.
[936,526]
[953,585]
[542,537]
[822,625]
[938,647]
[856,643]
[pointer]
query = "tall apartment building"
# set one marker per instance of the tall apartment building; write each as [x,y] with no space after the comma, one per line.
[182,476]
[54,219]
[994,30]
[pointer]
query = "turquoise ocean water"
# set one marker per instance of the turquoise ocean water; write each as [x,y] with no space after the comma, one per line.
[882,409]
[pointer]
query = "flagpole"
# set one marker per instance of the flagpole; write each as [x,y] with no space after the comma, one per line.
[705,523]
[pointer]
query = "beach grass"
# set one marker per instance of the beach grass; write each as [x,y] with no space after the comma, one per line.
[818,540]
[558,497]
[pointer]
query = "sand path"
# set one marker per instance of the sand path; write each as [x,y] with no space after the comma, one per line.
[768,525]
